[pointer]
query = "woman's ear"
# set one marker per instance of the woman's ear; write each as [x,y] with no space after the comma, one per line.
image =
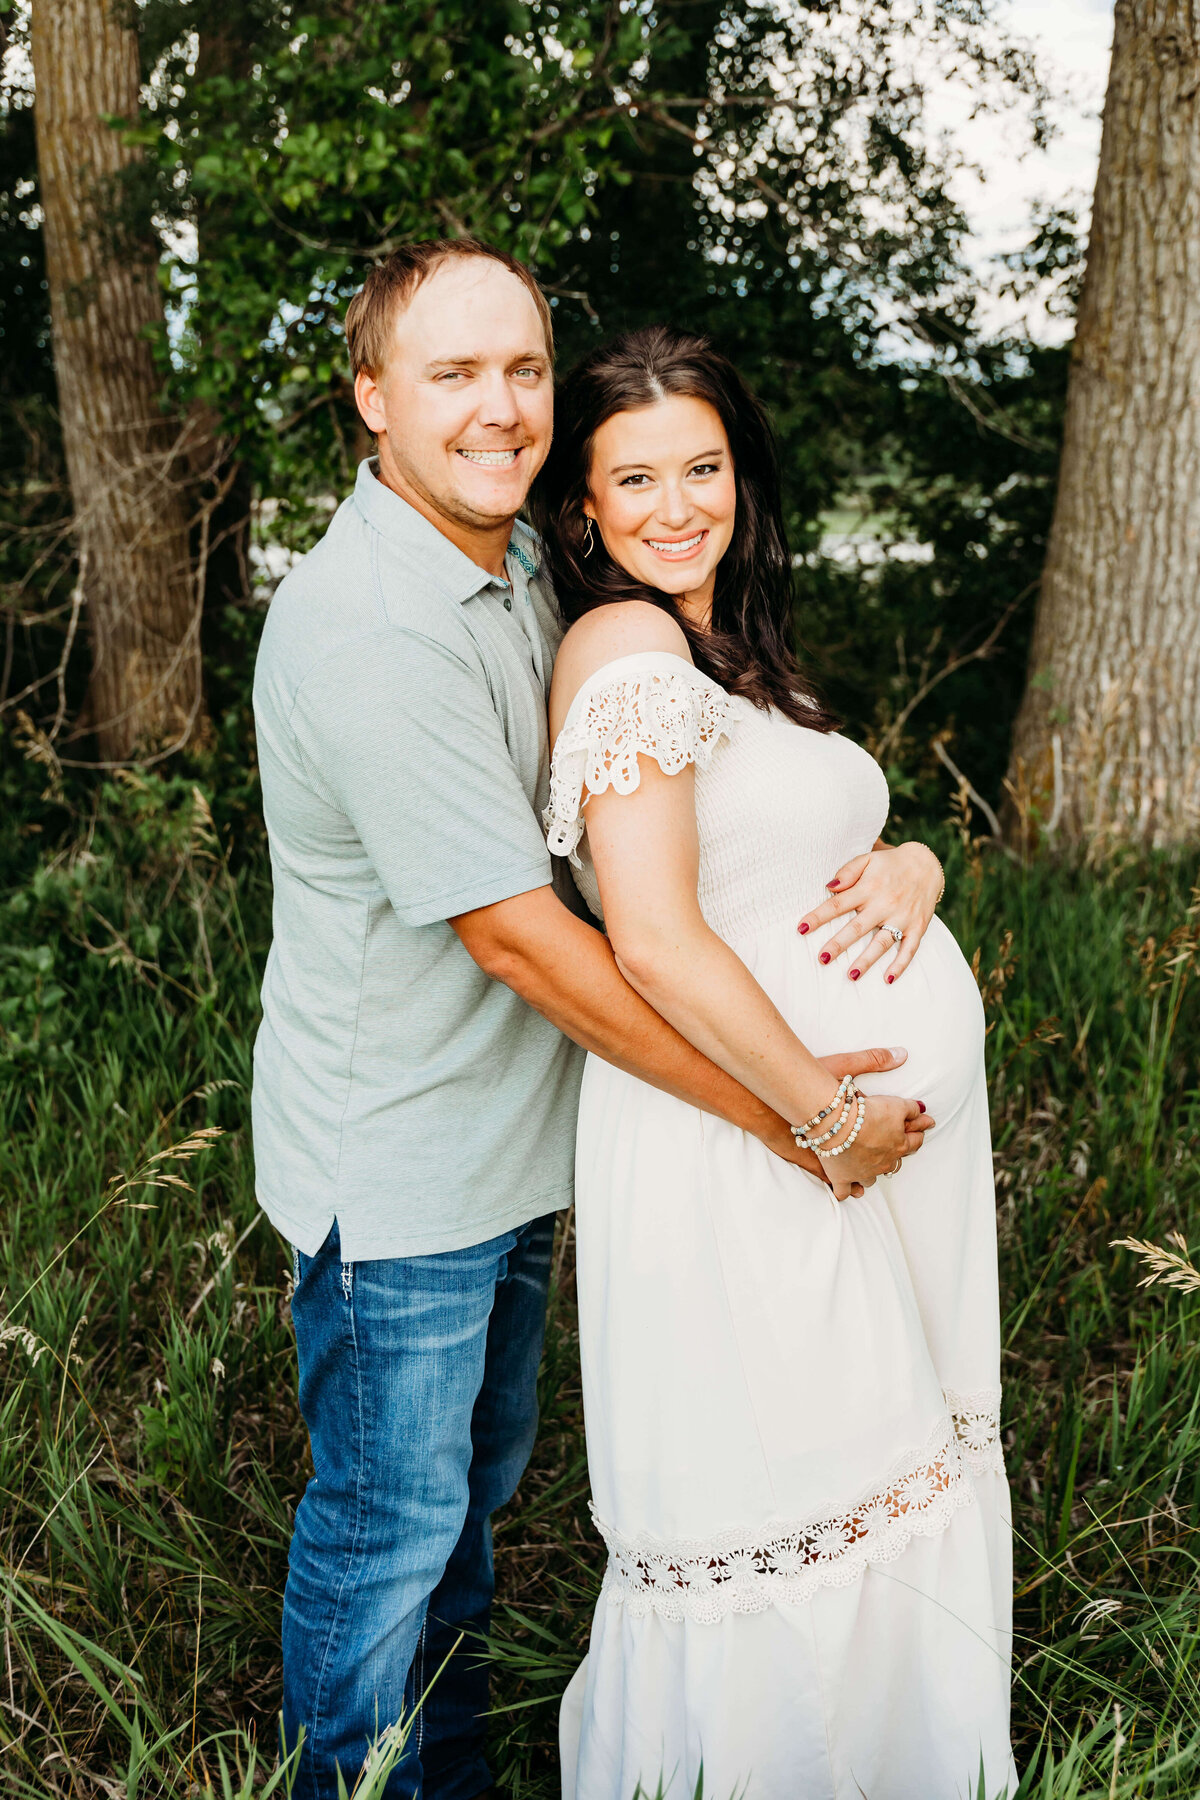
[589,511]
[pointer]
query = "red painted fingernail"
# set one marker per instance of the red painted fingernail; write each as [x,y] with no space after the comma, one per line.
[891,978]
[824,956]
[802,929]
[921,1107]
[854,974]
[834,883]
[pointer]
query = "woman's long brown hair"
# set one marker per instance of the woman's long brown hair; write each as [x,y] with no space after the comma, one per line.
[748,647]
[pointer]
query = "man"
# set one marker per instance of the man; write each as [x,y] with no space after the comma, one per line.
[416,1073]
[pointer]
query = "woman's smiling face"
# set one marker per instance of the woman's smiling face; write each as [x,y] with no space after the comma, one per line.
[664,498]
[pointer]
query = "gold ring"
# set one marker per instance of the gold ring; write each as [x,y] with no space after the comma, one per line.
[899,1164]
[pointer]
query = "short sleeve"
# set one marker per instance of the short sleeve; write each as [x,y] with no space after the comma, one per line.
[405,738]
[650,704]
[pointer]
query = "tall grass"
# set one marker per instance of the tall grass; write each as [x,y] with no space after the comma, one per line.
[150,1447]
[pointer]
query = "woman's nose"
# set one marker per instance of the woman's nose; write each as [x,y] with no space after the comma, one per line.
[675,509]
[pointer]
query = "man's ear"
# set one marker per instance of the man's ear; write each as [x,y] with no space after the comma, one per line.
[369,402]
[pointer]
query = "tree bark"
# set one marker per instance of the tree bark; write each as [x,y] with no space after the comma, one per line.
[123,456]
[1107,743]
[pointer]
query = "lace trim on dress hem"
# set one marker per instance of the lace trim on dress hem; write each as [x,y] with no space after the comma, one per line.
[976,1418]
[743,1572]
[677,716]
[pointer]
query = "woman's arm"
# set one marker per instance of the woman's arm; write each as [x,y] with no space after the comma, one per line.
[646,854]
[898,886]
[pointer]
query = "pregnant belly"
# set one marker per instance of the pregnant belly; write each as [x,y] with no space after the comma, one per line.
[933,1010]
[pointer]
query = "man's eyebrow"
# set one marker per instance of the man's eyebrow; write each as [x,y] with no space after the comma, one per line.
[700,456]
[473,360]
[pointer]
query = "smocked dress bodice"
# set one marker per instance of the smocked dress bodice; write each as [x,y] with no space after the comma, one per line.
[779,808]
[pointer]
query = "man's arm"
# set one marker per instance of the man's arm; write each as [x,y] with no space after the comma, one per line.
[566,971]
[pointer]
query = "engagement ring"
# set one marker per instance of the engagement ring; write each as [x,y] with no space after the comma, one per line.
[896,932]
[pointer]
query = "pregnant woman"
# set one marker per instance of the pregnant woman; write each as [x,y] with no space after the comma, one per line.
[791,1388]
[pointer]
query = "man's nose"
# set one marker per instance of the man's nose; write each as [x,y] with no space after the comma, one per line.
[497,403]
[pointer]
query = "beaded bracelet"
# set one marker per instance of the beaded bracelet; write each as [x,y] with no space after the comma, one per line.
[841,1149]
[941,895]
[797,1131]
[849,1088]
[813,1143]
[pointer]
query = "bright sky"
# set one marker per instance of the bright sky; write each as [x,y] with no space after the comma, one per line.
[1072,40]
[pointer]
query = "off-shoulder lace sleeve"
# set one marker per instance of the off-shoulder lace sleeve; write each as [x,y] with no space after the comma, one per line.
[652,704]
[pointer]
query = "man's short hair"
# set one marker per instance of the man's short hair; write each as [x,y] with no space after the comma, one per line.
[393,282]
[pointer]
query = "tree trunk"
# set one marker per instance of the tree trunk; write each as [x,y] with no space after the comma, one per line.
[123,457]
[1107,744]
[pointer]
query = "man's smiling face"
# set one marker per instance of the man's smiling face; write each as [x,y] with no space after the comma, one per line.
[464,407]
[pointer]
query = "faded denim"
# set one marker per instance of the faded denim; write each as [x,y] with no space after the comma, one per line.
[418,1385]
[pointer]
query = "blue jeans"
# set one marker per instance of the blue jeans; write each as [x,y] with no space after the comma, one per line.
[418,1384]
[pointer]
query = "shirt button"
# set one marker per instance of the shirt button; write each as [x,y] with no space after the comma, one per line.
[507,603]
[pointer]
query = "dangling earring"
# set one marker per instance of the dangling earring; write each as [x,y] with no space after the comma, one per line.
[587,539]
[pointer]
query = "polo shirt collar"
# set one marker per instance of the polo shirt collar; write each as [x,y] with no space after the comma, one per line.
[412,532]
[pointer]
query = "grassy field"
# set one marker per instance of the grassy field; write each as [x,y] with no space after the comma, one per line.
[150,1448]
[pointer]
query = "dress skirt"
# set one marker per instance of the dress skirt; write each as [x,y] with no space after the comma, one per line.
[793,1429]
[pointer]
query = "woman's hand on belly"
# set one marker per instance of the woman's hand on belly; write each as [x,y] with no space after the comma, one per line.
[897,887]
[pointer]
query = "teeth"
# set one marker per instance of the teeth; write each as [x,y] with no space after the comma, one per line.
[679,548]
[491,459]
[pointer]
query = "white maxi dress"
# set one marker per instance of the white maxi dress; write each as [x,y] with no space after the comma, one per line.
[792,1405]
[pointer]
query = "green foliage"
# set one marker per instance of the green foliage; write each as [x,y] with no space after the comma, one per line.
[970,475]
[34,571]
[822,249]
[26,364]
[299,147]
[766,174]
[30,1011]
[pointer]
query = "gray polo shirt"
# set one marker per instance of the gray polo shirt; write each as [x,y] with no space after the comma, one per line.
[400,701]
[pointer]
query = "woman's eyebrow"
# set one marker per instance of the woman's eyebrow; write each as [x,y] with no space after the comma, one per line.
[700,456]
